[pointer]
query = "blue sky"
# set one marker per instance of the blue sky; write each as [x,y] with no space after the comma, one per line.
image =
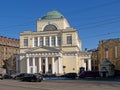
[94,19]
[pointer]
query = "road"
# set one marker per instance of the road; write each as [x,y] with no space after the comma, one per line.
[59,85]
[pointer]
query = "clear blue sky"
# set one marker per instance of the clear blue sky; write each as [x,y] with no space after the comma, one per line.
[94,19]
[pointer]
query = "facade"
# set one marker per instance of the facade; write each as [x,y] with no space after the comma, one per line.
[110,49]
[94,59]
[54,48]
[9,47]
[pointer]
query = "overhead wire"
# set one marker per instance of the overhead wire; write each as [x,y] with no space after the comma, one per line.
[95,24]
[99,35]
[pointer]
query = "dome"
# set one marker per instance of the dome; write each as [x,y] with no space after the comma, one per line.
[53,15]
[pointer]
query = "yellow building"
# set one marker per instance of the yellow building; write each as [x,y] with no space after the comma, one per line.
[54,48]
[110,49]
[9,47]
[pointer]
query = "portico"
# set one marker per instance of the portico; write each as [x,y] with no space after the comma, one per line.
[49,62]
[86,61]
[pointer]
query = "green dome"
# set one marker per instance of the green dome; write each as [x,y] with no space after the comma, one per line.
[53,15]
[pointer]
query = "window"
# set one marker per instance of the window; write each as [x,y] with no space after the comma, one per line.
[36,41]
[59,41]
[53,40]
[25,42]
[50,27]
[47,41]
[41,41]
[69,39]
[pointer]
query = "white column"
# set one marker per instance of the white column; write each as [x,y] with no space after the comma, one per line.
[33,41]
[28,65]
[56,40]
[38,41]
[84,64]
[44,41]
[60,65]
[40,64]
[50,41]
[53,65]
[89,64]
[33,60]
[46,64]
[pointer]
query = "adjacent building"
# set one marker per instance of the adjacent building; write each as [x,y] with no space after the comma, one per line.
[9,47]
[110,49]
[94,59]
[54,47]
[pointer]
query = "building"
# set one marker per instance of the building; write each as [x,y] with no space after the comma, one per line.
[110,49]
[9,47]
[54,48]
[94,59]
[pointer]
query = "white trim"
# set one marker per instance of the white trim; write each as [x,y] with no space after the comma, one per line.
[28,65]
[44,41]
[56,41]
[33,61]
[53,65]
[40,69]
[38,41]
[46,65]
[33,42]
[89,64]
[50,41]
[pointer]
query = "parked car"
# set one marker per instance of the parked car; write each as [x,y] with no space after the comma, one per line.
[7,76]
[19,76]
[1,76]
[89,74]
[39,75]
[13,76]
[32,78]
[70,75]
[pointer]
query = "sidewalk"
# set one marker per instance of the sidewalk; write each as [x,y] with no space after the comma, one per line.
[102,78]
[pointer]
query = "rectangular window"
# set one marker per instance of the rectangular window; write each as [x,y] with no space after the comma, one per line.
[53,40]
[36,41]
[69,39]
[47,41]
[41,41]
[25,42]
[59,41]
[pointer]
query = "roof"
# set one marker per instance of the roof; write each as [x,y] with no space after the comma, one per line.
[53,15]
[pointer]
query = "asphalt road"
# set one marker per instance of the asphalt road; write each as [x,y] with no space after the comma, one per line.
[59,85]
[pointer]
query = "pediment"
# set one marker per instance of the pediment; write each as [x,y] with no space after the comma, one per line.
[43,49]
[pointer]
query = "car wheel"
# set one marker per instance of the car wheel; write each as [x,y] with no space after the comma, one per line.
[32,80]
[40,80]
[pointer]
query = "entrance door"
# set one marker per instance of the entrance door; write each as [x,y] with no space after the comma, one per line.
[43,69]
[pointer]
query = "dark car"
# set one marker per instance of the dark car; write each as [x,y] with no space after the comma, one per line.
[19,76]
[70,75]
[32,78]
[7,76]
[39,75]
[1,76]
[89,74]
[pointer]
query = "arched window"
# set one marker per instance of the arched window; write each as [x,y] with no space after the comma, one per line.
[50,27]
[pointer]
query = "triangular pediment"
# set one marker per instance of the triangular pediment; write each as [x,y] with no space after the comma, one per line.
[43,49]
